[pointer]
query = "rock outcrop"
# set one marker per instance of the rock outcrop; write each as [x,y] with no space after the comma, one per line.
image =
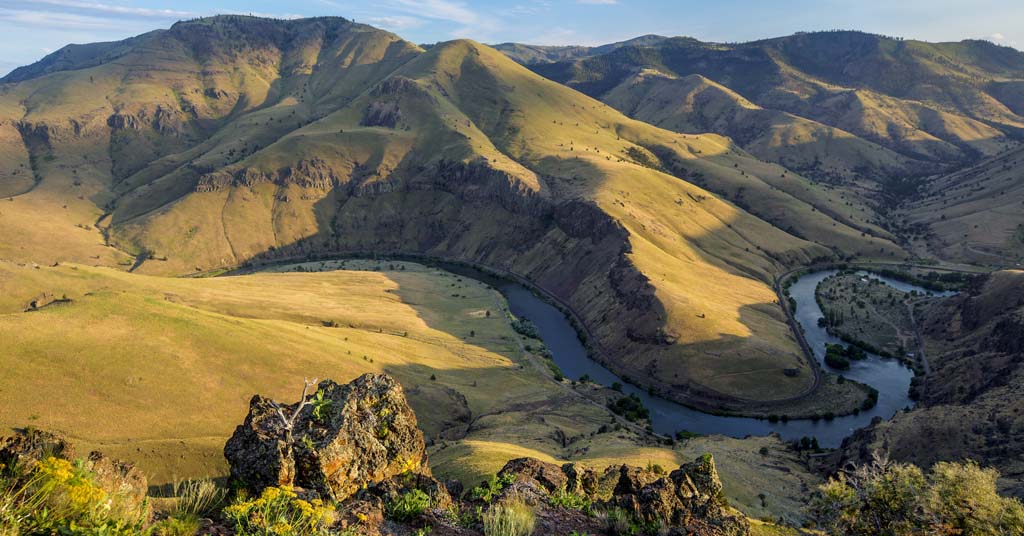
[113,476]
[689,500]
[358,445]
[344,438]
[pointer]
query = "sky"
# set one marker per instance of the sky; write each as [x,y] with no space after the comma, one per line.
[30,29]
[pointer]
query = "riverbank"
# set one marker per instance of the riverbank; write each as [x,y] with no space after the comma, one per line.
[573,358]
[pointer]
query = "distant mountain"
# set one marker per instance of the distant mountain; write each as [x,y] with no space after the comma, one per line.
[694,103]
[529,54]
[933,103]
[233,140]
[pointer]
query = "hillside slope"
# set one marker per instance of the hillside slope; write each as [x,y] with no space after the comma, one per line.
[975,215]
[972,401]
[694,104]
[125,335]
[321,137]
[945,103]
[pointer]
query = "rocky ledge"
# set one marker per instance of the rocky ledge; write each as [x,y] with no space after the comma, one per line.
[358,446]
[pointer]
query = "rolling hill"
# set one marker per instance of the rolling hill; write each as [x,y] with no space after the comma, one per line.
[974,215]
[939,105]
[237,140]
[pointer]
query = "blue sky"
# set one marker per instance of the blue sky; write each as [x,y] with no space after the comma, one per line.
[29,29]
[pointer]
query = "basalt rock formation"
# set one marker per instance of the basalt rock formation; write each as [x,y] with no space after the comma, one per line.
[688,500]
[344,438]
[358,445]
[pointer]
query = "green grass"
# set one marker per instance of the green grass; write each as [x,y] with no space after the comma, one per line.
[224,339]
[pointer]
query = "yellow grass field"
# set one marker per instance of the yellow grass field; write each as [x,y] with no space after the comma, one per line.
[159,371]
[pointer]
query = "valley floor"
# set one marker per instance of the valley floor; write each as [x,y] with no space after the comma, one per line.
[158,370]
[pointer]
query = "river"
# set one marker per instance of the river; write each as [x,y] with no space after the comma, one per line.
[888,376]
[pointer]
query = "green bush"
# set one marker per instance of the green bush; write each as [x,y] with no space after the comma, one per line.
[409,506]
[177,525]
[561,498]
[631,408]
[891,498]
[56,496]
[513,518]
[489,490]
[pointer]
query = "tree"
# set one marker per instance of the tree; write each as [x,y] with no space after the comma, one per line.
[289,421]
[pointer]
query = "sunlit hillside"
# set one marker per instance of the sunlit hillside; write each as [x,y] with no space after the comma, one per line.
[323,137]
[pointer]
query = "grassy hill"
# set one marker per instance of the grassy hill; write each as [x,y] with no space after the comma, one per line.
[231,140]
[530,54]
[974,215]
[694,103]
[460,134]
[931,102]
[108,342]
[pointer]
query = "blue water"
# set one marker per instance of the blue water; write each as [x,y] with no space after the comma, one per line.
[888,376]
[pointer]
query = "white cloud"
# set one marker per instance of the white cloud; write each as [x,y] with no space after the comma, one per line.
[114,9]
[396,23]
[440,9]
[598,2]
[997,37]
[53,20]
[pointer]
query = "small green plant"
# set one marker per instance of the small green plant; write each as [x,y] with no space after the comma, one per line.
[561,498]
[487,491]
[320,405]
[656,468]
[409,506]
[512,518]
[279,511]
[620,522]
[177,525]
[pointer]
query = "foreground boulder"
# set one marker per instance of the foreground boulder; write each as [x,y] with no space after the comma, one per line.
[344,438]
[31,446]
[116,477]
[689,500]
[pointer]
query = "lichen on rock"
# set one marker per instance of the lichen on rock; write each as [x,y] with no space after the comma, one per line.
[346,438]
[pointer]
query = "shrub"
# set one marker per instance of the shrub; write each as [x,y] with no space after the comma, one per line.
[630,407]
[513,518]
[56,496]
[279,511]
[177,525]
[488,490]
[409,506]
[891,498]
[620,522]
[561,498]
